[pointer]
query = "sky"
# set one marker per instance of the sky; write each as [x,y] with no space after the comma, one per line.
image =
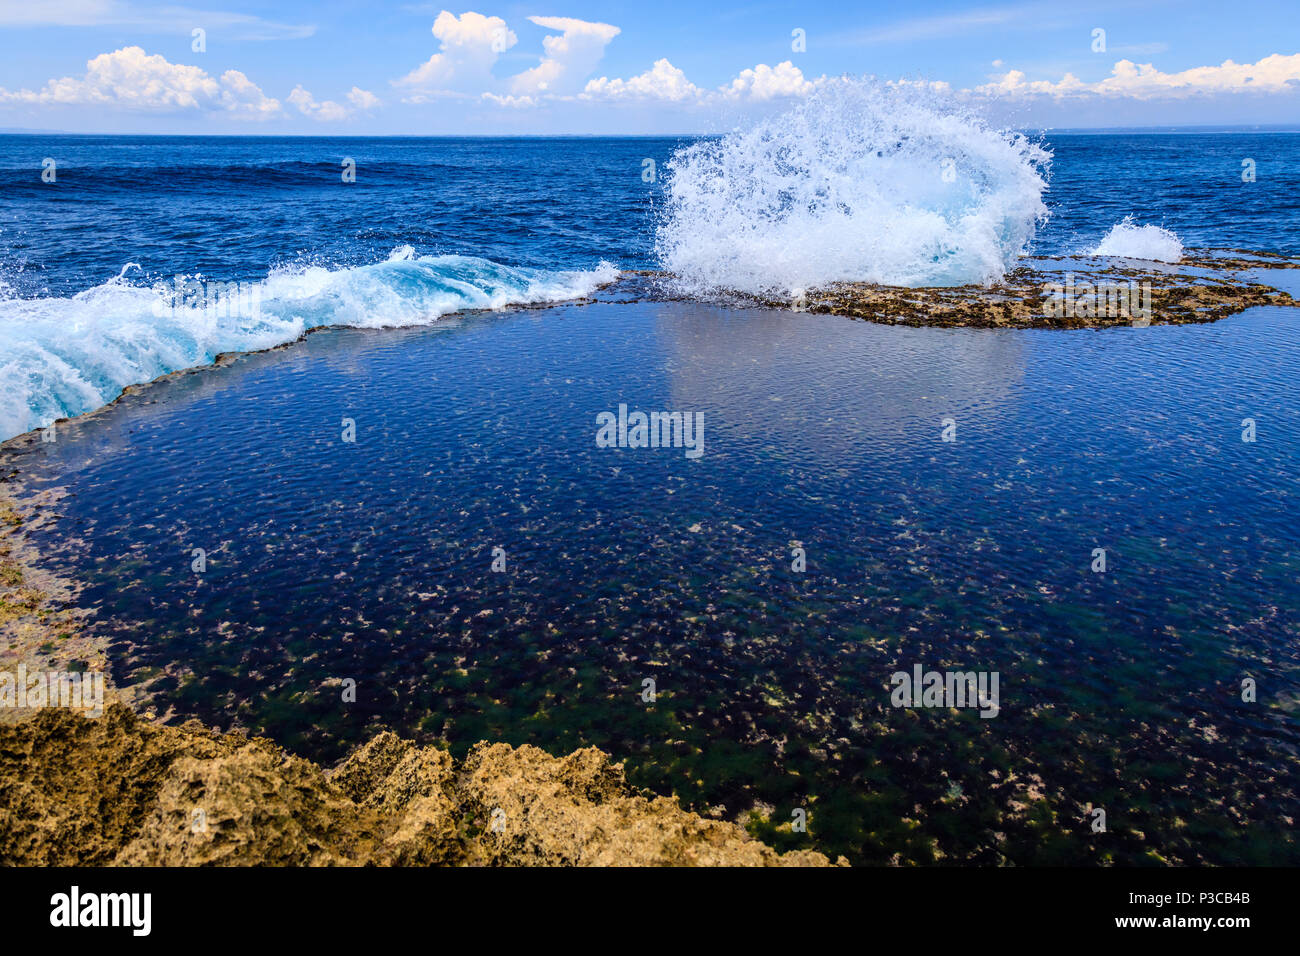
[662,67]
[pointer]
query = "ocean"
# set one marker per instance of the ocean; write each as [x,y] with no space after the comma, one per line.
[415,499]
[125,214]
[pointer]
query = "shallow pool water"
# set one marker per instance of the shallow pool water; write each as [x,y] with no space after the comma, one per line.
[329,561]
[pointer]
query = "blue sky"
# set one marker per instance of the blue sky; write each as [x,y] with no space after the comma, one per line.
[666,66]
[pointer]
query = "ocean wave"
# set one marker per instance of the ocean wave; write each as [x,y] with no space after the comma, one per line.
[60,357]
[863,181]
[1131,241]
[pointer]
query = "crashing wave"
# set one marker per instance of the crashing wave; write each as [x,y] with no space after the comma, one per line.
[60,357]
[862,182]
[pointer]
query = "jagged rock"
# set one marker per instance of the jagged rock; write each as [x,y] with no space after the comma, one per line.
[576,810]
[121,790]
[251,808]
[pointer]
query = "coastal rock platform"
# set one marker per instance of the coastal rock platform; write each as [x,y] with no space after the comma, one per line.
[1065,293]
[124,791]
[1044,292]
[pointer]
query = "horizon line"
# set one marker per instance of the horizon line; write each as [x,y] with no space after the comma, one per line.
[1180,128]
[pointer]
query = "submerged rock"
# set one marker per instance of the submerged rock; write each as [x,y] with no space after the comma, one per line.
[124,791]
[1061,293]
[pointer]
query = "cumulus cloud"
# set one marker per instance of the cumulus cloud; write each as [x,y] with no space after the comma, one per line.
[1272,74]
[306,105]
[363,100]
[469,47]
[765,82]
[131,79]
[134,80]
[471,44]
[513,102]
[328,110]
[663,81]
[667,83]
[570,57]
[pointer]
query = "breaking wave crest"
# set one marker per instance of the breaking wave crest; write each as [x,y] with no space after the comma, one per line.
[864,181]
[60,357]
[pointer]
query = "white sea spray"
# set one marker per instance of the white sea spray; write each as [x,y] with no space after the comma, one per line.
[60,357]
[865,181]
[1131,241]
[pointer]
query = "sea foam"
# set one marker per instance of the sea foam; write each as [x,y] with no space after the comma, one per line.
[60,357]
[1140,242]
[895,184]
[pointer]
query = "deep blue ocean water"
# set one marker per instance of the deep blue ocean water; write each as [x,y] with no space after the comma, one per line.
[371,560]
[235,207]
[527,220]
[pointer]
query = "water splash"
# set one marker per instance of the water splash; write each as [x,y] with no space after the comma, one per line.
[60,357]
[1140,242]
[864,181]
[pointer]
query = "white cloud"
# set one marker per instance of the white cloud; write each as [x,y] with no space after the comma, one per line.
[469,47]
[514,102]
[570,57]
[131,79]
[306,104]
[663,81]
[328,110]
[1272,74]
[765,82]
[363,100]
[666,82]
[1013,83]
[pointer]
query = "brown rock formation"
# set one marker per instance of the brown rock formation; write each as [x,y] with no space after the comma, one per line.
[121,790]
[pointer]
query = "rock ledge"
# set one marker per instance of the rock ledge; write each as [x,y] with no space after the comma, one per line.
[123,791]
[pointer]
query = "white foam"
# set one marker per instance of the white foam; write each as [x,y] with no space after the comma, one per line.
[863,181]
[1131,241]
[60,357]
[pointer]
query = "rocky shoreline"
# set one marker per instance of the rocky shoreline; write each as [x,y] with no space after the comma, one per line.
[41,624]
[1062,293]
[124,791]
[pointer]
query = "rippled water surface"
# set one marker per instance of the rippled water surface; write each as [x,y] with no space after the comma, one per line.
[372,561]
